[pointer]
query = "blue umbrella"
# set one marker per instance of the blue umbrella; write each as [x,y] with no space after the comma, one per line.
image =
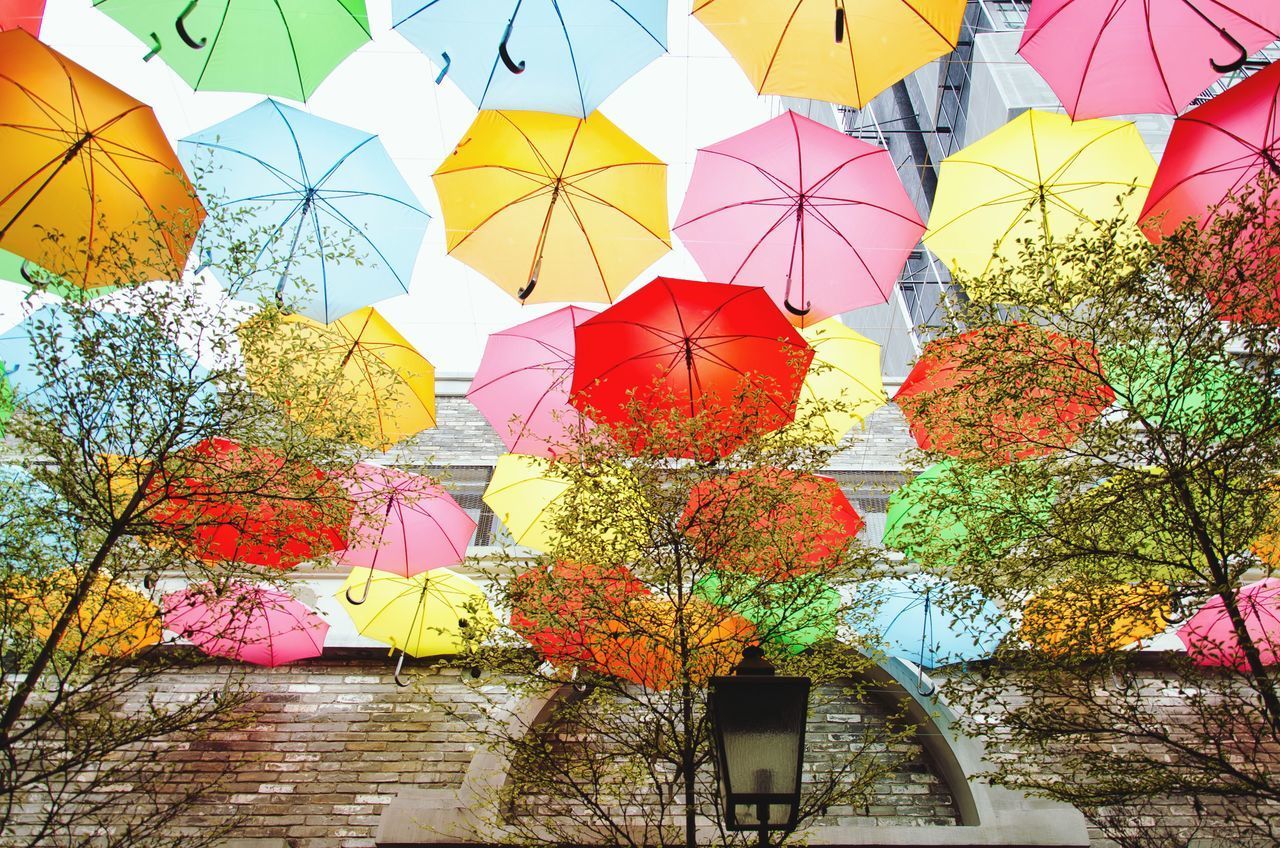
[913,621]
[315,202]
[563,56]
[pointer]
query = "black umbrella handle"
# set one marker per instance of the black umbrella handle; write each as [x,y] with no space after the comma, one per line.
[181,26]
[26,274]
[839,22]
[1241,57]
[512,66]
[794,310]
[367,583]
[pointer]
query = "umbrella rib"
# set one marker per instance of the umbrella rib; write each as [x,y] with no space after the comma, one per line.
[763,202]
[297,146]
[533,148]
[213,46]
[283,176]
[763,238]
[361,234]
[593,197]
[573,59]
[539,367]
[495,213]
[782,36]
[778,182]
[293,51]
[834,172]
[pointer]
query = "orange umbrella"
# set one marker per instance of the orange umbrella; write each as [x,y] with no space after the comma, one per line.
[113,620]
[1095,619]
[90,188]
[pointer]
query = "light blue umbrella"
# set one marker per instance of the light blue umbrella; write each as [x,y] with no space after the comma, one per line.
[914,621]
[563,56]
[314,202]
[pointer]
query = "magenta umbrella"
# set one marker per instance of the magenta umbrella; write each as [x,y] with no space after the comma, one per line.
[402,523]
[1211,639]
[1119,57]
[821,220]
[522,384]
[249,623]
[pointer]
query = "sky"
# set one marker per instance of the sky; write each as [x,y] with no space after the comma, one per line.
[690,98]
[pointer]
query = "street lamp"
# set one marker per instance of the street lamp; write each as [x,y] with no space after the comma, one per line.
[757,721]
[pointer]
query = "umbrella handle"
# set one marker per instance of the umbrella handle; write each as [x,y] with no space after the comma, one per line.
[155,39]
[396,675]
[808,307]
[511,64]
[839,21]
[527,290]
[1241,57]
[181,26]
[26,275]
[367,583]
[445,69]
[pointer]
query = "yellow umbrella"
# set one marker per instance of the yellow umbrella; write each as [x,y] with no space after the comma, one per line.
[1095,619]
[1039,176]
[845,372]
[521,493]
[846,51]
[358,359]
[113,620]
[554,208]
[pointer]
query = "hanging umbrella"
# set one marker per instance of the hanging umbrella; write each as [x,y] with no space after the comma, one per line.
[931,621]
[560,610]
[843,385]
[89,164]
[22,14]
[843,52]
[27,274]
[1211,639]
[262,46]
[821,220]
[679,347]
[792,614]
[523,494]
[246,504]
[432,613]
[297,190]
[402,523]
[553,208]
[1103,57]
[245,622]
[805,521]
[364,360]
[954,405]
[563,56]
[1040,176]
[1074,619]
[522,384]
[113,620]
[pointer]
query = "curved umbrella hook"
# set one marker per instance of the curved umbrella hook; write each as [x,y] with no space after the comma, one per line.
[396,675]
[839,21]
[1237,63]
[512,65]
[26,275]
[794,310]
[181,26]
[367,583]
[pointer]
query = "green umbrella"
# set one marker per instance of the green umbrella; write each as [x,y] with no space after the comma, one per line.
[792,614]
[15,269]
[281,47]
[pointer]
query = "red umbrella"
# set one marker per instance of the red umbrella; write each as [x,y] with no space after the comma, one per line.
[953,406]
[246,504]
[814,520]
[22,14]
[719,353]
[560,610]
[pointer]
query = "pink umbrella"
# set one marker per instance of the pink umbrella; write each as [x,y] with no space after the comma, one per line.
[403,523]
[1211,639]
[522,384]
[248,623]
[819,219]
[1118,57]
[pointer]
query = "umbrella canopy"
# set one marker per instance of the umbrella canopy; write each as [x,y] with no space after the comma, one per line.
[821,220]
[931,621]
[22,14]
[523,494]
[284,47]
[362,358]
[247,504]
[522,384]
[1103,57]
[88,163]
[563,56]
[253,624]
[560,610]
[113,620]
[27,274]
[845,52]
[553,208]
[953,406]
[1040,176]
[1076,619]
[432,613]
[792,614]
[1211,639]
[679,347]
[805,519]
[314,201]
[843,385]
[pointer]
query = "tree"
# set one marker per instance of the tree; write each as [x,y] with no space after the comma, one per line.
[658,573]
[1106,527]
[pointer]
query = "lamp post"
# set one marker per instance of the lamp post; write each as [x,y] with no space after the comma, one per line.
[757,722]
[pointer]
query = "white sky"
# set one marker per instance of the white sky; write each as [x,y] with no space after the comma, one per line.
[688,99]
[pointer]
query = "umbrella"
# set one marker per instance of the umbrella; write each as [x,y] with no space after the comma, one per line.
[89,164]
[843,52]
[723,354]
[563,56]
[112,620]
[553,208]
[972,396]
[1211,638]
[559,610]
[804,521]
[1072,618]
[523,494]
[22,14]
[302,193]
[1040,176]
[432,613]
[522,383]
[363,360]
[792,614]
[253,624]
[246,504]
[403,523]
[843,385]
[1103,57]
[262,46]
[819,219]
[25,273]
[931,621]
